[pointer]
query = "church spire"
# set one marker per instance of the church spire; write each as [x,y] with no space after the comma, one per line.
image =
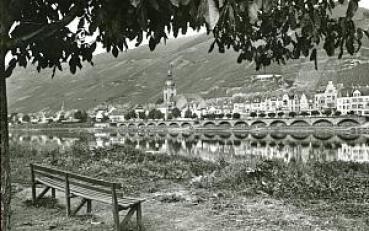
[170,71]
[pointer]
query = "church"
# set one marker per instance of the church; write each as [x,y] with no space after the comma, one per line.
[193,102]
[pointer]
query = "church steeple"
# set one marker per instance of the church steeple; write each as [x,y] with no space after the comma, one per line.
[170,90]
[170,71]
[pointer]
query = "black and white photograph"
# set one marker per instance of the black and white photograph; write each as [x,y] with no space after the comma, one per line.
[184,115]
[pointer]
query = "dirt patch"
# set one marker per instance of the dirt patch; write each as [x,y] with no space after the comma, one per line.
[215,212]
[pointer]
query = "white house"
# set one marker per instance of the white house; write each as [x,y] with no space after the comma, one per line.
[357,101]
[326,99]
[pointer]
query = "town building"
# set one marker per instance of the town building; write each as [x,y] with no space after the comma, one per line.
[169,91]
[354,100]
[326,98]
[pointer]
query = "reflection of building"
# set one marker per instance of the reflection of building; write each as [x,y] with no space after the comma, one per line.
[357,153]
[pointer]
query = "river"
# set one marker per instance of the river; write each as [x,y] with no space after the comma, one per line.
[301,147]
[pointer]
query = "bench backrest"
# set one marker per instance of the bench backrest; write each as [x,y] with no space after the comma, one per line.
[74,179]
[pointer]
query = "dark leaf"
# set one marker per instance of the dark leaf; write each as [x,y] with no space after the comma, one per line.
[211,47]
[352,8]
[115,51]
[152,44]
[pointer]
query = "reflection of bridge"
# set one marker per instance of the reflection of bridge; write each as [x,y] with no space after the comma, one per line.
[248,123]
[264,137]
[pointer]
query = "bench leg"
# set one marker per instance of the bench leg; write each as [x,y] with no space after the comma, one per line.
[139,217]
[116,217]
[42,193]
[67,203]
[83,202]
[124,223]
[53,193]
[33,193]
[89,207]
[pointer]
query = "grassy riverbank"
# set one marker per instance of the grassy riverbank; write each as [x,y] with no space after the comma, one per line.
[192,194]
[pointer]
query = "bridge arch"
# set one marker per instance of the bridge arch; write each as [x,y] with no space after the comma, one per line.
[348,136]
[151,125]
[225,135]
[162,125]
[207,135]
[300,136]
[258,123]
[323,136]
[278,136]
[348,122]
[300,123]
[131,126]
[241,136]
[141,125]
[278,123]
[174,125]
[258,136]
[186,125]
[322,122]
[209,124]
[240,124]
[224,124]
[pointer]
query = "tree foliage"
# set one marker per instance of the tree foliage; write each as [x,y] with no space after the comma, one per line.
[188,113]
[266,31]
[176,112]
[130,115]
[26,118]
[155,114]
[81,115]
[263,31]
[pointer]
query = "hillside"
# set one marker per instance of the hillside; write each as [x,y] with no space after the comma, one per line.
[138,75]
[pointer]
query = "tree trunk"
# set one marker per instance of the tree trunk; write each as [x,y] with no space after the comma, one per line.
[4,151]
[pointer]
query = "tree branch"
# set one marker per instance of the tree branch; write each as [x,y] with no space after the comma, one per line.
[47,30]
[9,71]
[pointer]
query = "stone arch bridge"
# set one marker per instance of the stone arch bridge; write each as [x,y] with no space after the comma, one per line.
[246,123]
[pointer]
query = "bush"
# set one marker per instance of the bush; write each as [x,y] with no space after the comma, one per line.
[236,116]
[338,113]
[304,113]
[315,113]
[292,114]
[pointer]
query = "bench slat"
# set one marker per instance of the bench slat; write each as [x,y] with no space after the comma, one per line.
[90,194]
[77,176]
[46,174]
[71,181]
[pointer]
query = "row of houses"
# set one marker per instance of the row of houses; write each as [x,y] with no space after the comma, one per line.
[354,99]
[44,118]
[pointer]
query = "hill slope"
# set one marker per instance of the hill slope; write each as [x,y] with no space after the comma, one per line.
[138,75]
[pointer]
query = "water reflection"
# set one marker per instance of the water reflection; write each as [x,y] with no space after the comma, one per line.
[224,146]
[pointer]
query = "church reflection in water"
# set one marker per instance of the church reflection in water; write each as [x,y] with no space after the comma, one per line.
[226,146]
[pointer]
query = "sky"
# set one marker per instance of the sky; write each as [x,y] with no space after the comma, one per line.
[364,3]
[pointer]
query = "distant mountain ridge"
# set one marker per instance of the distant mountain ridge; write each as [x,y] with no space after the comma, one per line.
[137,76]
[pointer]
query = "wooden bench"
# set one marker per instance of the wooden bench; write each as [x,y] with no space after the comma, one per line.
[88,189]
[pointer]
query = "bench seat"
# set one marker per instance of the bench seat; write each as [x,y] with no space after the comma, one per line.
[83,192]
[88,189]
